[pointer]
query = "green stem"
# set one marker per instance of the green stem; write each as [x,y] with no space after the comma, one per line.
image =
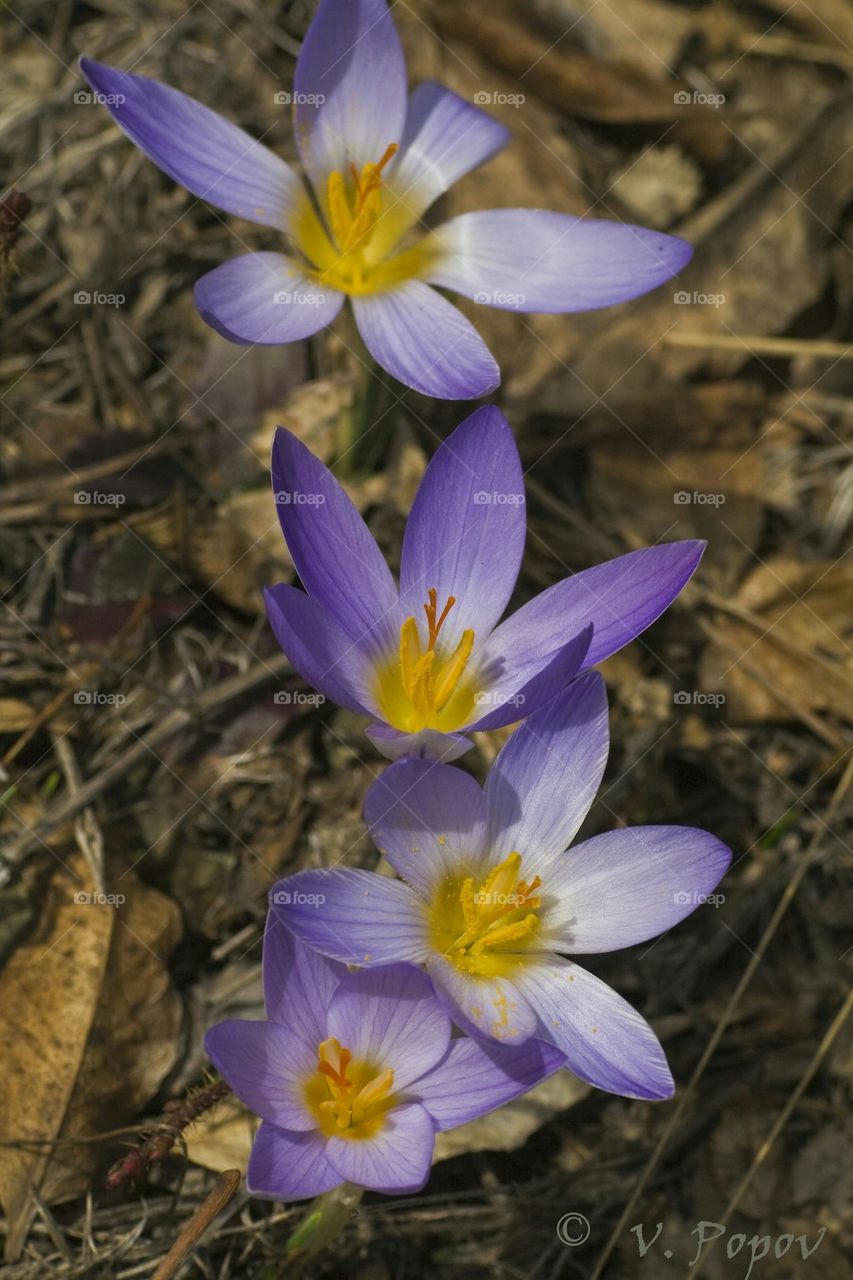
[363,429]
[325,1220]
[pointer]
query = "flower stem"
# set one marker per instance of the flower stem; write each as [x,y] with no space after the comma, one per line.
[364,429]
[325,1220]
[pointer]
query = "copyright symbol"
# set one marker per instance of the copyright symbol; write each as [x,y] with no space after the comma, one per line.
[573,1229]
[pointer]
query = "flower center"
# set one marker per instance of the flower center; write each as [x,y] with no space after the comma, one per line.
[354,214]
[487,929]
[348,1098]
[428,687]
[367,221]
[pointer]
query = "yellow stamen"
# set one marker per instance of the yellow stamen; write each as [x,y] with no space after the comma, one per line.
[348,1098]
[488,930]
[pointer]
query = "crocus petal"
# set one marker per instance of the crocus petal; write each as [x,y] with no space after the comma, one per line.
[320,650]
[606,1042]
[476,1076]
[491,1007]
[429,821]
[397,1159]
[535,260]
[444,138]
[265,298]
[354,916]
[546,776]
[334,552]
[425,342]
[465,532]
[200,149]
[350,88]
[427,744]
[266,1065]
[289,1166]
[390,1016]
[620,598]
[626,886]
[298,982]
[514,686]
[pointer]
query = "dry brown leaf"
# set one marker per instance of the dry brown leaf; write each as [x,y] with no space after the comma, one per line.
[222,1138]
[798,638]
[88,1027]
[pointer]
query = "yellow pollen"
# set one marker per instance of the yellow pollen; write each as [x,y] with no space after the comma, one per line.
[429,682]
[488,929]
[349,1099]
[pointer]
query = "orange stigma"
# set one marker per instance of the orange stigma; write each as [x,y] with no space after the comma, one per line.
[428,682]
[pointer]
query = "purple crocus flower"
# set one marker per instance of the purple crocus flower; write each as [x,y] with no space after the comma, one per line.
[352,1074]
[375,159]
[430,660]
[492,904]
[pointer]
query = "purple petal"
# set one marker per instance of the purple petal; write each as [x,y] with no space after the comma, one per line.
[535,260]
[200,149]
[605,1041]
[428,744]
[477,1076]
[267,1066]
[334,552]
[397,1159]
[320,650]
[298,983]
[265,298]
[429,821]
[289,1166]
[425,342]
[354,916]
[515,687]
[350,88]
[390,1016]
[445,137]
[465,533]
[626,886]
[541,786]
[492,1007]
[620,598]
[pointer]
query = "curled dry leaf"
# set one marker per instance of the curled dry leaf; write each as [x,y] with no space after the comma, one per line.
[89,1027]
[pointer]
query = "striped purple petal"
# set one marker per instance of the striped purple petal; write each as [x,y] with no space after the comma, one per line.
[536,260]
[465,533]
[350,88]
[629,885]
[477,1076]
[265,298]
[425,342]
[395,1160]
[606,1042]
[197,147]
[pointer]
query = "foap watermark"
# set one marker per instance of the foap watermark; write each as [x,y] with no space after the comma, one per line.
[696,98]
[696,498]
[285,99]
[115,900]
[494,498]
[750,1250]
[85,98]
[288,897]
[573,1229]
[484,98]
[494,698]
[696,698]
[484,899]
[690,898]
[97,698]
[83,298]
[297,698]
[695,298]
[285,298]
[299,498]
[98,498]
[509,301]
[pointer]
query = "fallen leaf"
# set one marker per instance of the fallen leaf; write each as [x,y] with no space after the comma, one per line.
[88,1027]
